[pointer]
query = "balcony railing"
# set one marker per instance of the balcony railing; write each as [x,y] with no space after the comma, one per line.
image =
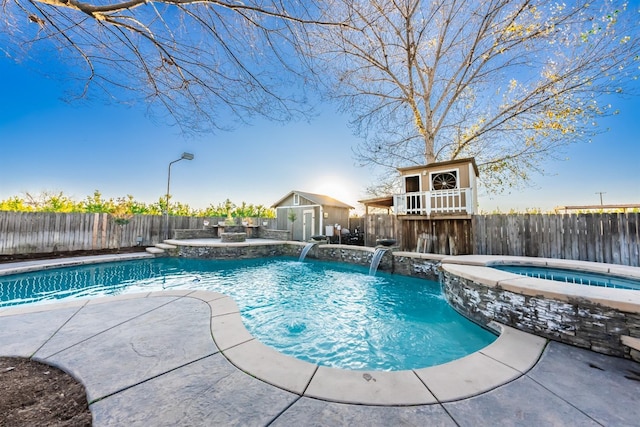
[458,200]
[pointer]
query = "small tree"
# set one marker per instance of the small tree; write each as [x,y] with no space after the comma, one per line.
[292,217]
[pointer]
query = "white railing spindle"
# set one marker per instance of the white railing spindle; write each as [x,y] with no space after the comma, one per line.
[430,202]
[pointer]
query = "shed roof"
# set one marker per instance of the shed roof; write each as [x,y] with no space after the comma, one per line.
[447,162]
[315,198]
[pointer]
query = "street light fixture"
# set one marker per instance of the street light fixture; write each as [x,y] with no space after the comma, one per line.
[185,156]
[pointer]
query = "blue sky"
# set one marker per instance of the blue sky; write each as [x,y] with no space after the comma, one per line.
[48,144]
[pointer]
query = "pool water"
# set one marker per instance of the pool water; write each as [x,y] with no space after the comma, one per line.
[330,314]
[572,276]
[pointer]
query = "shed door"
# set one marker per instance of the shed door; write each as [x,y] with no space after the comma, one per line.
[308,224]
[412,185]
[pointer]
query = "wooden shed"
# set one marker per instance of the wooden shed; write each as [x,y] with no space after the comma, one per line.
[435,202]
[442,189]
[315,214]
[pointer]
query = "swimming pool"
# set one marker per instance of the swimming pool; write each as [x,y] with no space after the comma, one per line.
[330,314]
[572,276]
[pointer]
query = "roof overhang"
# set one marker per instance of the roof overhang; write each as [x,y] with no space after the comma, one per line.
[446,163]
[379,202]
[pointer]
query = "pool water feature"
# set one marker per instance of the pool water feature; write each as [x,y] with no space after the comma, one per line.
[375,260]
[572,276]
[305,251]
[330,314]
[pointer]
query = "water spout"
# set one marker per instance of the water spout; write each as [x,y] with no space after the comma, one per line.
[306,250]
[375,260]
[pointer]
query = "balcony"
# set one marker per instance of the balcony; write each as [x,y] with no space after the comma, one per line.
[453,201]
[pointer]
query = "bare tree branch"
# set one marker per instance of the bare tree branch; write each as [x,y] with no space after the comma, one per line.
[199,61]
[508,82]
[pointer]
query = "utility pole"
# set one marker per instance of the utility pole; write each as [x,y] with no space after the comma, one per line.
[601,193]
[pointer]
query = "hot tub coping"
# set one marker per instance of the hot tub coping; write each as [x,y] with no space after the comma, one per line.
[624,271]
[479,270]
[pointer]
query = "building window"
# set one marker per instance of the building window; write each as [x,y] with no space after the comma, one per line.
[444,180]
[296,199]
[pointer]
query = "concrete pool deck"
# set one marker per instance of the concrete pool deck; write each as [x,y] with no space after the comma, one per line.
[184,358]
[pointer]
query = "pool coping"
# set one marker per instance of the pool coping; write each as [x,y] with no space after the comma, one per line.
[19,267]
[509,357]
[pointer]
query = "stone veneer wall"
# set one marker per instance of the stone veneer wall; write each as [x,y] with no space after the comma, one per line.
[233,237]
[267,233]
[348,254]
[579,322]
[398,264]
[235,252]
[188,233]
[423,268]
[401,263]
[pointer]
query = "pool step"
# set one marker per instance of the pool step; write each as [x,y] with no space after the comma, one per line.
[160,248]
[165,246]
[155,251]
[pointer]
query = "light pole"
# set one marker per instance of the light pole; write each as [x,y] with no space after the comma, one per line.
[185,156]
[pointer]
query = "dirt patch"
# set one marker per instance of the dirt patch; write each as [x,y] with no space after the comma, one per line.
[35,394]
[69,254]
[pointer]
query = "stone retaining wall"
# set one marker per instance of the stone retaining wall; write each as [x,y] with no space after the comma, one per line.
[194,233]
[579,321]
[403,263]
[235,252]
[268,233]
[347,254]
[232,229]
[417,265]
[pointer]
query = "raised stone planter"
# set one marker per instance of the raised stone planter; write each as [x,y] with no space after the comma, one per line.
[233,237]
[222,251]
[267,233]
[233,228]
[186,233]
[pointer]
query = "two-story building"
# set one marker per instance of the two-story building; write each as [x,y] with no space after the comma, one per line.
[443,191]
[435,190]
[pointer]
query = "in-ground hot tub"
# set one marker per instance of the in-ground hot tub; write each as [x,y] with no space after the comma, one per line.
[603,319]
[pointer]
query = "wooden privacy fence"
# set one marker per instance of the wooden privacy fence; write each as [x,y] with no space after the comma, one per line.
[601,237]
[381,227]
[450,237]
[39,232]
[42,232]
